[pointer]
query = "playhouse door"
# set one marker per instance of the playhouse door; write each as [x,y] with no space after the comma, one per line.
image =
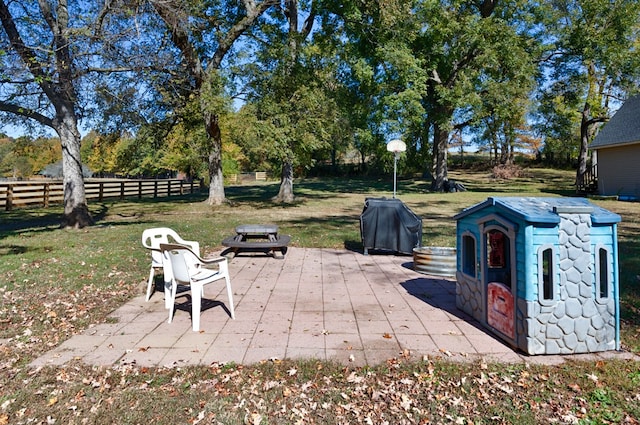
[500,299]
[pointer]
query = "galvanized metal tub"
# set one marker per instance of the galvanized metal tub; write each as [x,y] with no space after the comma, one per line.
[435,260]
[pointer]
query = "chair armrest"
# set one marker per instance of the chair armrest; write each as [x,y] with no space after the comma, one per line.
[170,246]
[201,261]
[213,260]
[195,246]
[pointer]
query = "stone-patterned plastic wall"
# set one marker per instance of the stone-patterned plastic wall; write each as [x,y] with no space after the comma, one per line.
[469,296]
[577,322]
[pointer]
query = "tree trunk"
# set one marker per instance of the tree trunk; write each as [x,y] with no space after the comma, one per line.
[61,93]
[440,149]
[584,143]
[178,24]
[587,122]
[504,152]
[76,213]
[216,178]
[285,195]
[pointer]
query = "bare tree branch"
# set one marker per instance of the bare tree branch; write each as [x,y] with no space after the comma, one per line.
[27,113]
[253,12]
[27,55]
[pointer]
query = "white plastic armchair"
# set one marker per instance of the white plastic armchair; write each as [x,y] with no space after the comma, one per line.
[187,268]
[151,239]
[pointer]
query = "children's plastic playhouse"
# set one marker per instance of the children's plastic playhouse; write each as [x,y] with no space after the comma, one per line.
[541,273]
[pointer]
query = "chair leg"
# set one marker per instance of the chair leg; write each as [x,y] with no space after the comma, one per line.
[150,283]
[196,306]
[169,296]
[170,299]
[230,297]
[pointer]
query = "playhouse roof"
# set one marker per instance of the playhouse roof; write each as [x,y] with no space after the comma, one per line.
[543,210]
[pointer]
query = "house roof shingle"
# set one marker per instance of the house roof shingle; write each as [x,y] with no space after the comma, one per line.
[623,128]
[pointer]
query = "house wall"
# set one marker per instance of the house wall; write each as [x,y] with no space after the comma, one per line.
[618,171]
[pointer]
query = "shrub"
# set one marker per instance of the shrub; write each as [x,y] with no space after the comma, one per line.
[507,171]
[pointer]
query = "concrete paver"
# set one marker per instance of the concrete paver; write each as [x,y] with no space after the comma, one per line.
[323,304]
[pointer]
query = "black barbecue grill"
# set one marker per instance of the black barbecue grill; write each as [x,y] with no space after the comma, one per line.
[389,225]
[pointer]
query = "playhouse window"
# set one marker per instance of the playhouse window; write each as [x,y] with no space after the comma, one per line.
[603,273]
[547,274]
[497,249]
[469,255]
[498,258]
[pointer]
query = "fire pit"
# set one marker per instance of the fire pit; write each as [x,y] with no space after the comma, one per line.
[435,261]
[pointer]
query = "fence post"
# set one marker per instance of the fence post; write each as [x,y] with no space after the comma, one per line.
[46,195]
[169,187]
[9,205]
[100,191]
[139,189]
[121,190]
[155,188]
[181,187]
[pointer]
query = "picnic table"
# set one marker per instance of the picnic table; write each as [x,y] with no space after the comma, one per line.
[258,238]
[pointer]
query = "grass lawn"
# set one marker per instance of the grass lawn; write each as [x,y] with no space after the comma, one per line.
[54,283]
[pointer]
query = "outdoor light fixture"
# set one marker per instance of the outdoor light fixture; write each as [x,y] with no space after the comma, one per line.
[396,146]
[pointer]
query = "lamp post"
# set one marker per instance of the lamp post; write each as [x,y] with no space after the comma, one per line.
[396,146]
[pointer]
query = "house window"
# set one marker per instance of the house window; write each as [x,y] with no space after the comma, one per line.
[469,259]
[546,273]
[602,273]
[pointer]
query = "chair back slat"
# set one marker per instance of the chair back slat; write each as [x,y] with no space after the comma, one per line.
[179,266]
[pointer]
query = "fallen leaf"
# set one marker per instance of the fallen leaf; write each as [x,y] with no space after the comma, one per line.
[255,419]
[386,335]
[199,418]
[575,387]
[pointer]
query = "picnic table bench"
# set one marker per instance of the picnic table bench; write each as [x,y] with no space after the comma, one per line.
[258,237]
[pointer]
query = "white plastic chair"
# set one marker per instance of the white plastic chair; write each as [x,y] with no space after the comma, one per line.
[151,239]
[187,268]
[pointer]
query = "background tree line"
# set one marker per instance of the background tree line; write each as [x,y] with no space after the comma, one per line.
[210,87]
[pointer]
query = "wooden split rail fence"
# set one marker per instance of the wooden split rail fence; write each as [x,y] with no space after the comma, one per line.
[47,192]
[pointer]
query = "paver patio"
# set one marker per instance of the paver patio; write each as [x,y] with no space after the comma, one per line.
[315,303]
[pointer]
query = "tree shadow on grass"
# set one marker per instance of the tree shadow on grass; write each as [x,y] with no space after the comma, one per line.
[324,188]
[307,189]
[47,219]
[34,220]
